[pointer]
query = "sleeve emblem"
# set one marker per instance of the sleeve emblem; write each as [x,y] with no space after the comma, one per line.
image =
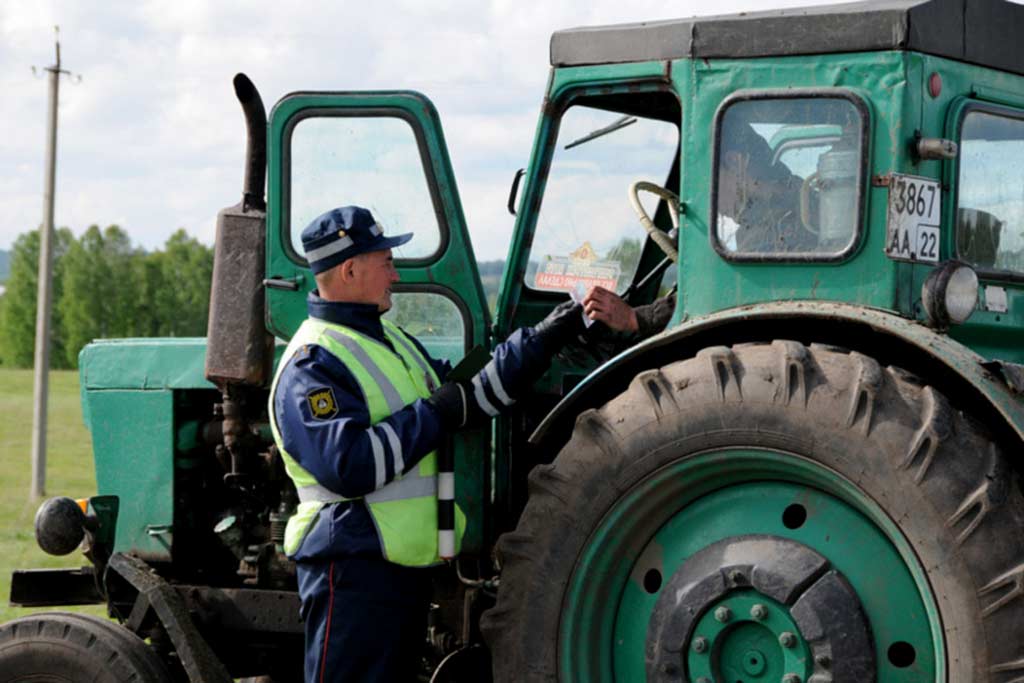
[322,404]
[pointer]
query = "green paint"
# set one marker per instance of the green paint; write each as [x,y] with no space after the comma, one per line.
[704,499]
[748,649]
[133,444]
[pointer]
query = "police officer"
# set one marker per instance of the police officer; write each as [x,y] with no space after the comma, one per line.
[358,409]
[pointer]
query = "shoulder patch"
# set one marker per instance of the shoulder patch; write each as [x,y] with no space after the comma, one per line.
[322,404]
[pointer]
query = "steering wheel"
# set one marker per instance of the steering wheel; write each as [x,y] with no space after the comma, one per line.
[663,241]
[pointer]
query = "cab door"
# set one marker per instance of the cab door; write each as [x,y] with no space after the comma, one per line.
[384,151]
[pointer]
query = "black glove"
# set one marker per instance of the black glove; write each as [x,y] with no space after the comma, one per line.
[456,407]
[451,403]
[561,325]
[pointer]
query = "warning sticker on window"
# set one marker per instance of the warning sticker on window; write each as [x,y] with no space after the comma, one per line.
[912,221]
[581,268]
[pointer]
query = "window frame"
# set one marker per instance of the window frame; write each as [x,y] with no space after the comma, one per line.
[961,111]
[792,94]
[360,113]
[448,294]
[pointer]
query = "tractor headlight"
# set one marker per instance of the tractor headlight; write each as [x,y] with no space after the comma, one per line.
[60,526]
[950,294]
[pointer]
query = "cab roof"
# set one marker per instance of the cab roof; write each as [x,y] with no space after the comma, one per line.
[985,32]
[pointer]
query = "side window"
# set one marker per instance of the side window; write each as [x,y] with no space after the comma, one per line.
[373,162]
[433,319]
[587,233]
[990,191]
[789,175]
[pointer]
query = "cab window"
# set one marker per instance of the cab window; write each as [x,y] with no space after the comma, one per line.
[587,233]
[373,162]
[990,199]
[788,177]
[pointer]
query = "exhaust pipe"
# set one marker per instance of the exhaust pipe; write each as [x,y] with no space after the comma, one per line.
[238,349]
[255,143]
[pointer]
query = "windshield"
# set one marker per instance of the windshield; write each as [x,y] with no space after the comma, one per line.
[788,178]
[587,233]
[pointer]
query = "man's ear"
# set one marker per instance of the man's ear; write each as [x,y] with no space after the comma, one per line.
[347,270]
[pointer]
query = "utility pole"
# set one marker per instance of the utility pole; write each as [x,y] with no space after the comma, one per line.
[44,297]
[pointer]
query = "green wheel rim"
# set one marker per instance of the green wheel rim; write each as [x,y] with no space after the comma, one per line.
[695,502]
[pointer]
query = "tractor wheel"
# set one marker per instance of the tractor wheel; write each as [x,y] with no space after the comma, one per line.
[58,647]
[764,513]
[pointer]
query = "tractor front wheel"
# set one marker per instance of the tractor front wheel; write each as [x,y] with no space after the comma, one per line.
[61,647]
[768,512]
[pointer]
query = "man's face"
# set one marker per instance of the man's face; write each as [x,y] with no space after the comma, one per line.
[373,274]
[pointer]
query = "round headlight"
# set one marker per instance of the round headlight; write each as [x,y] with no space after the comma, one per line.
[60,526]
[950,294]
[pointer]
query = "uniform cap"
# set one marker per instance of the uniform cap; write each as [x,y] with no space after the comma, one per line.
[342,233]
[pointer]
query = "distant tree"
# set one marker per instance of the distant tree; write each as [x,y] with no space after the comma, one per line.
[626,252]
[154,300]
[186,270]
[18,317]
[99,294]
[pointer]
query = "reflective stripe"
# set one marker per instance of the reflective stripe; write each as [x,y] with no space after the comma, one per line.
[446,486]
[317,493]
[396,446]
[387,388]
[328,249]
[427,370]
[378,457]
[404,489]
[496,385]
[481,399]
[446,543]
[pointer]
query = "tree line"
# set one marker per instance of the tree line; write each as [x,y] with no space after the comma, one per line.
[104,286]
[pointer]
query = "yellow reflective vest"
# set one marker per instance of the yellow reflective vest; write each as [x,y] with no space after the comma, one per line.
[404,510]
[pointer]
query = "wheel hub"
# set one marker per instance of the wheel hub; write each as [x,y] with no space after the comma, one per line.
[758,608]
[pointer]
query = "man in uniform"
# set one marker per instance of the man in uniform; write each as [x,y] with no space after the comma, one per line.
[358,409]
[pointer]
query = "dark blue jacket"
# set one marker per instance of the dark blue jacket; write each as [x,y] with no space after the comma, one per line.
[338,451]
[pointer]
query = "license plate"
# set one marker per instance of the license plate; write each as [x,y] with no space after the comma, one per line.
[912,221]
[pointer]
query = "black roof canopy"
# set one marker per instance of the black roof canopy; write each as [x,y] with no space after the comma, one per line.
[985,32]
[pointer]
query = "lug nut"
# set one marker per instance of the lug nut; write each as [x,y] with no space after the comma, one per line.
[736,576]
[723,614]
[700,645]
[759,612]
[669,668]
[824,661]
[787,640]
[790,678]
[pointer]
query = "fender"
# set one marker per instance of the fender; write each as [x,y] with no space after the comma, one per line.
[944,363]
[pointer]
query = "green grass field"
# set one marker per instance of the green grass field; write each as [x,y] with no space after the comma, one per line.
[69,472]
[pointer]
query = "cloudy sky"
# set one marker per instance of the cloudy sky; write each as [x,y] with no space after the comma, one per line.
[152,138]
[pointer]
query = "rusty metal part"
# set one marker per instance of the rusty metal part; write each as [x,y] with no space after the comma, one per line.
[197,658]
[1011,373]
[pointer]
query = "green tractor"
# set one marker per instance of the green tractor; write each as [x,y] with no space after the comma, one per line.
[807,477]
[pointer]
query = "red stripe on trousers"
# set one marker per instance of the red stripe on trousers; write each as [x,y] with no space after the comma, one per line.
[327,629]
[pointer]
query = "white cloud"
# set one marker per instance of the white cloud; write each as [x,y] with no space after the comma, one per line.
[152,139]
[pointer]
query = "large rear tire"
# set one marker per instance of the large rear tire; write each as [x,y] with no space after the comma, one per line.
[61,647]
[763,511]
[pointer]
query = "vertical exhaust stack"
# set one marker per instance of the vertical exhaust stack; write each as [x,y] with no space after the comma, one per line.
[239,351]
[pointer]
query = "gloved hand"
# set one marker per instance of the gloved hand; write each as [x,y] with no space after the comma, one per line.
[450,402]
[560,326]
[456,407]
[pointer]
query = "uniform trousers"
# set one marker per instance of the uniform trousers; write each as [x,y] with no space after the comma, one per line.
[365,620]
